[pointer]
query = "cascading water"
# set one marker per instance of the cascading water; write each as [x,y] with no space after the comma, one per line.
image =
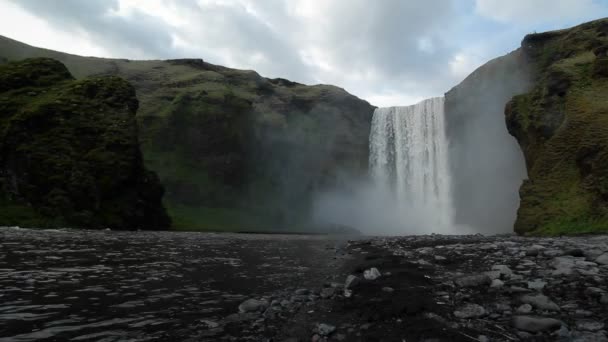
[409,162]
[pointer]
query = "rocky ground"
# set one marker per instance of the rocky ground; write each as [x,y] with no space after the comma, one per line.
[107,286]
[465,288]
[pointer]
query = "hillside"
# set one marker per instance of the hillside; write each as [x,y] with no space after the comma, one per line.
[234,150]
[69,152]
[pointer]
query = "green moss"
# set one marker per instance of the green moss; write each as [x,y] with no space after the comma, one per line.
[562,127]
[70,152]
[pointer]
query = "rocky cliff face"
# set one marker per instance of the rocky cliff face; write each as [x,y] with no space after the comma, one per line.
[486,164]
[69,152]
[234,150]
[561,125]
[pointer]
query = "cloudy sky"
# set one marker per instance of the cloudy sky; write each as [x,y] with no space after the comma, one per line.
[389,52]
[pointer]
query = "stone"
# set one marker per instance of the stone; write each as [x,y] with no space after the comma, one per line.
[536,284]
[576,252]
[388,289]
[351,282]
[594,292]
[602,259]
[328,292]
[470,311]
[504,270]
[493,274]
[524,309]
[483,338]
[372,274]
[302,292]
[440,258]
[325,329]
[209,324]
[252,305]
[536,324]
[589,325]
[540,302]
[473,280]
[497,283]
[604,299]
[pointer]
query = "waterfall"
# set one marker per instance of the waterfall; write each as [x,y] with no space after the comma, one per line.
[409,161]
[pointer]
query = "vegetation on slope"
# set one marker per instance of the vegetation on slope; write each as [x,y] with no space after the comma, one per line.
[69,152]
[234,150]
[562,127]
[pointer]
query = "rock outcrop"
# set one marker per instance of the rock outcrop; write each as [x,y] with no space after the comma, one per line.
[561,125]
[69,151]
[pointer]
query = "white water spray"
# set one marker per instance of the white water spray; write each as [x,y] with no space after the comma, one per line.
[409,162]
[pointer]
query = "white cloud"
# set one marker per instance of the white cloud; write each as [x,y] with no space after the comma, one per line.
[388,52]
[537,11]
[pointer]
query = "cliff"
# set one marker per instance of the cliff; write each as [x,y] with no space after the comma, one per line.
[234,150]
[487,166]
[69,152]
[561,125]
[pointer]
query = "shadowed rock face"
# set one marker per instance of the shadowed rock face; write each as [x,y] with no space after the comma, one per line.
[69,153]
[486,164]
[234,150]
[561,125]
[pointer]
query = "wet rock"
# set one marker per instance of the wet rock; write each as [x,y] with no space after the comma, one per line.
[252,305]
[328,292]
[470,311]
[388,289]
[536,324]
[351,282]
[541,302]
[575,252]
[536,284]
[209,324]
[504,270]
[324,329]
[594,292]
[524,309]
[493,274]
[589,325]
[497,283]
[440,258]
[473,280]
[604,299]
[302,292]
[586,336]
[602,259]
[372,274]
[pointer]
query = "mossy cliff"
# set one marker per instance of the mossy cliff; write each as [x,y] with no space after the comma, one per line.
[69,151]
[562,128]
[234,150]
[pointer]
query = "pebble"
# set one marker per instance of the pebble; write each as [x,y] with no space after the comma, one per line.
[251,305]
[541,302]
[524,309]
[535,324]
[504,270]
[372,274]
[473,280]
[325,329]
[351,281]
[602,259]
[470,311]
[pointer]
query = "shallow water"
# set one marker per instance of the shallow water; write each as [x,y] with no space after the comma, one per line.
[78,285]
